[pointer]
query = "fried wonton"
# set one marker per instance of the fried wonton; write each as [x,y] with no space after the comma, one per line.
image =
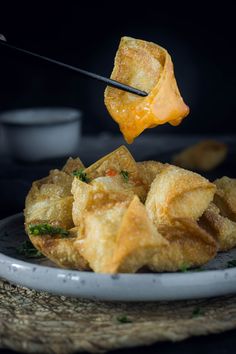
[148,67]
[204,156]
[119,162]
[137,240]
[113,163]
[176,192]
[62,251]
[99,193]
[49,201]
[119,238]
[225,197]
[222,228]
[189,246]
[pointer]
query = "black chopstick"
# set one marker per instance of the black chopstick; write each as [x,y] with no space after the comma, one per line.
[109,82]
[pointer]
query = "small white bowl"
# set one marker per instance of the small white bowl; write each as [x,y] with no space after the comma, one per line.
[41,133]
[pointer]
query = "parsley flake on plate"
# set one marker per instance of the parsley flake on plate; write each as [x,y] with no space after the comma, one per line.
[28,250]
[197,312]
[123,319]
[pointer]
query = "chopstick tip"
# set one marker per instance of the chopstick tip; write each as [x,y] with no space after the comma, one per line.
[143,94]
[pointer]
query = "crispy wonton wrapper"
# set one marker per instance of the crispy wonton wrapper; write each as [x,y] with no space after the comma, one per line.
[50,201]
[118,160]
[203,156]
[119,238]
[72,165]
[220,227]
[148,67]
[113,164]
[189,246]
[225,197]
[101,192]
[178,193]
[220,217]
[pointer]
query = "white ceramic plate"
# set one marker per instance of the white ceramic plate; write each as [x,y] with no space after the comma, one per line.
[216,279]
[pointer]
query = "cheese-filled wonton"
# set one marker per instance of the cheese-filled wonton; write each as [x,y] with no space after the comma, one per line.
[148,67]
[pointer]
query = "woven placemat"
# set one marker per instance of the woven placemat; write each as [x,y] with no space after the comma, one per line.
[32,321]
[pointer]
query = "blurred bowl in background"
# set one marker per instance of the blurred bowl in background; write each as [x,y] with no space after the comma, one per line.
[41,133]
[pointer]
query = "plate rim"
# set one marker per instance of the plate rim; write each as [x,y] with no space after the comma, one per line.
[226,276]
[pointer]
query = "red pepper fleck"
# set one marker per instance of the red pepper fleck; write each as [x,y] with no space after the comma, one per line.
[111,173]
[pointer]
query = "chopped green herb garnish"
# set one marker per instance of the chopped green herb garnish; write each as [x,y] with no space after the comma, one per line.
[125,175]
[27,249]
[184,268]
[46,229]
[81,175]
[231,264]
[197,312]
[123,319]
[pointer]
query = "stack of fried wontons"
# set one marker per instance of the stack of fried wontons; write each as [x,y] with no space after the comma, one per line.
[124,216]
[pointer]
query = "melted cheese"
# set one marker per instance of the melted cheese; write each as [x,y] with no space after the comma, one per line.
[148,67]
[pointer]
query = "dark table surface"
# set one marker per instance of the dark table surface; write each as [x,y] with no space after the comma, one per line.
[224,343]
[16,178]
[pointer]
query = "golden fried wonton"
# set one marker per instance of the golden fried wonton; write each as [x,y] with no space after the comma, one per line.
[175,193]
[50,201]
[137,240]
[119,162]
[116,161]
[148,67]
[222,228]
[119,238]
[189,246]
[220,217]
[99,193]
[225,197]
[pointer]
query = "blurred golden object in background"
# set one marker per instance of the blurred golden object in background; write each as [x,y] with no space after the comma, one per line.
[203,156]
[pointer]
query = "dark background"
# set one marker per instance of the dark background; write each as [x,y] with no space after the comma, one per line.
[200,36]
